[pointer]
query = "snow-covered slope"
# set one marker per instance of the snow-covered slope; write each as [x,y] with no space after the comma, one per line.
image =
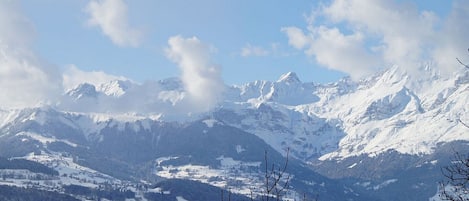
[398,111]
[393,115]
[115,87]
[103,149]
[392,110]
[287,90]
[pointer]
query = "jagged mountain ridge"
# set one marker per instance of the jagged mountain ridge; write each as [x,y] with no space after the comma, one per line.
[116,151]
[393,110]
[348,125]
[340,119]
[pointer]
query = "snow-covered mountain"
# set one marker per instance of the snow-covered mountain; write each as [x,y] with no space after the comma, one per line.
[402,120]
[393,110]
[396,111]
[128,152]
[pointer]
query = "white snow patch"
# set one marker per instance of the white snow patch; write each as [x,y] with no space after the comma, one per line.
[239,149]
[180,198]
[231,172]
[365,184]
[228,162]
[162,159]
[7,116]
[37,116]
[384,184]
[352,166]
[146,124]
[93,123]
[43,139]
[155,190]
[71,172]
[210,122]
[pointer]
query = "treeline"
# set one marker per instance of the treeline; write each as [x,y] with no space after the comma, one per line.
[24,164]
[191,190]
[95,194]
[10,193]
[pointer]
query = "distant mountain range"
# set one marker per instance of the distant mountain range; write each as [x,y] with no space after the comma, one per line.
[382,138]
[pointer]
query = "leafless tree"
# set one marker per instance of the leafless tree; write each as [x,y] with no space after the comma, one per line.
[456,188]
[275,179]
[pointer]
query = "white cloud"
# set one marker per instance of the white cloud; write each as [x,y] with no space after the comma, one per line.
[342,52]
[452,41]
[15,28]
[111,17]
[250,50]
[201,87]
[296,37]
[335,50]
[25,80]
[201,77]
[73,76]
[403,31]
[357,36]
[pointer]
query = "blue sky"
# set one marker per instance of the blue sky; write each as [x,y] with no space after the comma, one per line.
[64,38]
[50,43]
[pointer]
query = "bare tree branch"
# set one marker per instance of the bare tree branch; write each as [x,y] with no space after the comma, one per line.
[465,65]
[464,124]
[276,179]
[457,186]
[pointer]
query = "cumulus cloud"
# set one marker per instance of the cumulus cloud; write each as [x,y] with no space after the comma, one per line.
[360,36]
[111,17]
[198,89]
[452,41]
[25,79]
[200,76]
[15,28]
[73,76]
[296,37]
[333,49]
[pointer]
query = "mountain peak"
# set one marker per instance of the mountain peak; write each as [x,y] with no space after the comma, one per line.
[84,89]
[289,77]
[115,87]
